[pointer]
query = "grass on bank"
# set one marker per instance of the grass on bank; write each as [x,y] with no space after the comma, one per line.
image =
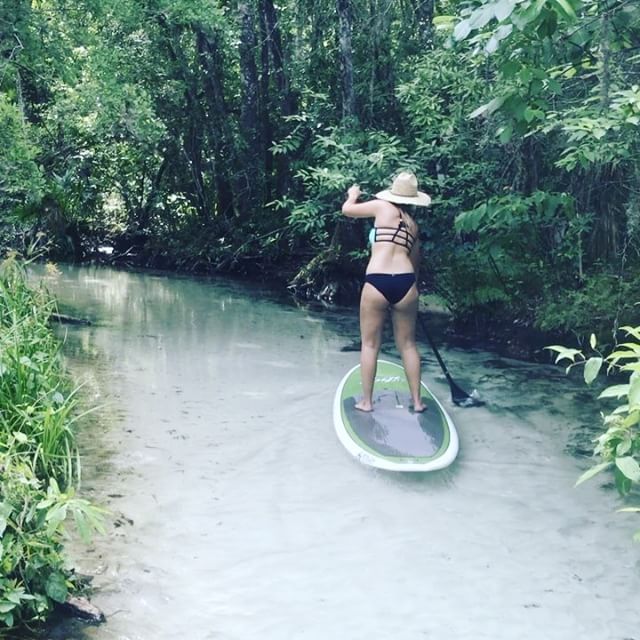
[39,463]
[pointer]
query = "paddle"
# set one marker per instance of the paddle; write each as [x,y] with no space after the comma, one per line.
[458,395]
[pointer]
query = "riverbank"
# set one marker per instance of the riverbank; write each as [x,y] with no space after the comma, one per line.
[38,457]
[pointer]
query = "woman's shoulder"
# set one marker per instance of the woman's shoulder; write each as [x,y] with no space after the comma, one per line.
[387,214]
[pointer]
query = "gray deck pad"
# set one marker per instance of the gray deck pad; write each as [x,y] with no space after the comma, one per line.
[393,430]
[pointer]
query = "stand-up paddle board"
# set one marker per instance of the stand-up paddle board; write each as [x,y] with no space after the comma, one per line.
[392,436]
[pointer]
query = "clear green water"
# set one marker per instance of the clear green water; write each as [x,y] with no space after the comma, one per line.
[239,515]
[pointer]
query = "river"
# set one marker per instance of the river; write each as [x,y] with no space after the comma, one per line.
[237,514]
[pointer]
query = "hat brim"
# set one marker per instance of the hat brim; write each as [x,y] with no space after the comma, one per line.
[421,200]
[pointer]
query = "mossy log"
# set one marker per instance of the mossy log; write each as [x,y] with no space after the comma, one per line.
[64,319]
[80,607]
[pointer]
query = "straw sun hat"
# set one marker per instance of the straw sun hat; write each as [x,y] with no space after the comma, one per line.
[404,190]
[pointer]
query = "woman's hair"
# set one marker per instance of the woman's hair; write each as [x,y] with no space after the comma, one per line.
[409,210]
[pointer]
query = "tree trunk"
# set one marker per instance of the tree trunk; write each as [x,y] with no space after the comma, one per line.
[345,28]
[225,154]
[192,144]
[605,58]
[265,105]
[423,11]
[274,63]
[274,43]
[253,169]
[382,107]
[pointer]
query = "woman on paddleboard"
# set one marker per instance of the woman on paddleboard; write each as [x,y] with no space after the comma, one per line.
[390,280]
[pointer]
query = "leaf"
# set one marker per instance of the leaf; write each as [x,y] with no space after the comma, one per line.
[521,19]
[623,408]
[634,390]
[632,419]
[488,108]
[564,353]
[591,369]
[82,526]
[509,69]
[629,510]
[20,437]
[592,472]
[566,9]
[592,341]
[462,30]
[503,31]
[623,484]
[629,467]
[5,509]
[624,447]
[492,45]
[503,9]
[615,391]
[481,17]
[631,331]
[443,20]
[56,587]
[505,133]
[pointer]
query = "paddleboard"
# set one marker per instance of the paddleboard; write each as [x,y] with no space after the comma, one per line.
[392,436]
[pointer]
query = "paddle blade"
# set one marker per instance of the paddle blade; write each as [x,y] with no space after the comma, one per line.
[462,398]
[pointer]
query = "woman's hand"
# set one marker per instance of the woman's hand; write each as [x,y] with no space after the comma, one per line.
[355,209]
[353,193]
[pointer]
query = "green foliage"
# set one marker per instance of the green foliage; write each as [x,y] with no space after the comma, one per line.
[517,248]
[128,123]
[600,297]
[35,421]
[338,159]
[21,180]
[34,575]
[618,447]
[37,456]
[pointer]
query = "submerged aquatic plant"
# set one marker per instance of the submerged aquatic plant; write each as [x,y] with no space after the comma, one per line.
[618,447]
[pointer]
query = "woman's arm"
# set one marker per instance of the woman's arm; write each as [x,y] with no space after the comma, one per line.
[354,209]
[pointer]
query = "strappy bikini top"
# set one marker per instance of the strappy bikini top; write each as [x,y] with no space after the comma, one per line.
[399,235]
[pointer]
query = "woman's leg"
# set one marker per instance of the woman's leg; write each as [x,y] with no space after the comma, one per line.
[373,311]
[404,315]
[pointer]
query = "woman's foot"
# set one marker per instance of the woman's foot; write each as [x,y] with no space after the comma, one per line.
[420,407]
[367,407]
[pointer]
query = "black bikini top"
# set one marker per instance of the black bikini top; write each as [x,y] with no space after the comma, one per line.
[399,235]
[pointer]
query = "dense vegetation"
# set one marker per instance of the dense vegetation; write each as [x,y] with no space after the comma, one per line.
[618,446]
[38,458]
[210,135]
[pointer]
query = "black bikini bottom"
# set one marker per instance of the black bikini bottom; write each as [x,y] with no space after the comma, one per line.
[393,286]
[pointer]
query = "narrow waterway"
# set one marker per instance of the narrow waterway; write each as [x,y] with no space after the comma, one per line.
[238,515]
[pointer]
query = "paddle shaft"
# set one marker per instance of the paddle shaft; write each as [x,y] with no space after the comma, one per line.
[443,366]
[458,396]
